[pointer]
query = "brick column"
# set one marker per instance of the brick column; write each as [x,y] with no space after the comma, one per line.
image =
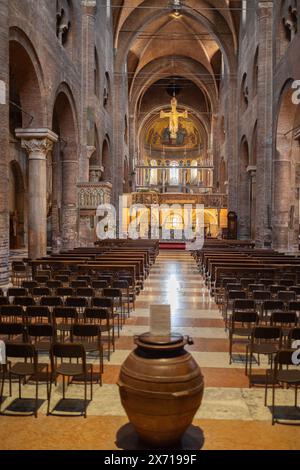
[264,124]
[38,143]
[232,145]
[69,200]
[89,11]
[4,143]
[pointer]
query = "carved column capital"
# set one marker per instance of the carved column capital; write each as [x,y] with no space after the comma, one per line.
[37,142]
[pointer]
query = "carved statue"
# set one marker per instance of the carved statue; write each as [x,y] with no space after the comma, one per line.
[63,20]
[290,19]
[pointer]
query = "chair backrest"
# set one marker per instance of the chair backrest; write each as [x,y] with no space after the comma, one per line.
[21,350]
[16,292]
[12,329]
[273,305]
[266,282]
[85,292]
[234,286]
[245,317]
[77,284]
[4,301]
[29,285]
[111,292]
[54,284]
[253,287]
[284,318]
[78,302]
[294,334]
[120,285]
[236,294]
[275,288]
[64,313]
[40,330]
[295,289]
[37,311]
[286,296]
[11,311]
[94,313]
[244,304]
[65,291]
[286,282]
[104,302]
[294,306]
[267,333]
[86,330]
[68,351]
[261,295]
[284,358]
[84,278]
[62,278]
[245,281]
[99,284]
[42,279]
[24,301]
[51,301]
[41,291]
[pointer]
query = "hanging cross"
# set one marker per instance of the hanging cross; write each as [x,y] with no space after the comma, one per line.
[174,116]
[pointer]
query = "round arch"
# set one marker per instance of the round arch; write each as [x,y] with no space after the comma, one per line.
[65,172]
[286,172]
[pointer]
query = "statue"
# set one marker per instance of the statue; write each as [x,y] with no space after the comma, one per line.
[173,116]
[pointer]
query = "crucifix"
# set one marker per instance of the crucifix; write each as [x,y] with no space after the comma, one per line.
[174,116]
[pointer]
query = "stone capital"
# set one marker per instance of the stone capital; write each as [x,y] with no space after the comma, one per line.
[37,142]
[89,7]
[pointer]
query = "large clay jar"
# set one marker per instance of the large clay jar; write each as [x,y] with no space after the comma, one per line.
[161,388]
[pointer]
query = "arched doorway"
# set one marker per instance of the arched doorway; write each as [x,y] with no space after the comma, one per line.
[64,217]
[244,190]
[287,173]
[17,210]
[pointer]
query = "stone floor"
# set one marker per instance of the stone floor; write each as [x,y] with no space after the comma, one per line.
[232,416]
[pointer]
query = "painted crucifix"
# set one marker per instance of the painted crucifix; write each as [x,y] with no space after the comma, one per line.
[174,116]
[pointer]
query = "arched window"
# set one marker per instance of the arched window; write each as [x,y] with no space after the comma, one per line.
[194,172]
[96,75]
[174,173]
[244,93]
[153,172]
[255,73]
[106,91]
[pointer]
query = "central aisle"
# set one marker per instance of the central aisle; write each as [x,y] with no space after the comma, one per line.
[232,416]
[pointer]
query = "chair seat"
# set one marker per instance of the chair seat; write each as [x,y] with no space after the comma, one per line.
[242,332]
[265,348]
[23,369]
[43,346]
[291,377]
[72,370]
[90,346]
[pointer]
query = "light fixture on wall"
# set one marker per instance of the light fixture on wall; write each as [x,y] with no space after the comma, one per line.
[175,6]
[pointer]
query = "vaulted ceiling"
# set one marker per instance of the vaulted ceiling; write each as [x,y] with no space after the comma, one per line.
[158,39]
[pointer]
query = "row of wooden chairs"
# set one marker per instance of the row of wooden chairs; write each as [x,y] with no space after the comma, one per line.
[62,357]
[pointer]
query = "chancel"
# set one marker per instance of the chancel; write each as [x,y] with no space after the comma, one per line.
[149,226]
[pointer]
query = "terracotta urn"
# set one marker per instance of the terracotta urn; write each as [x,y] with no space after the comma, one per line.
[161,388]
